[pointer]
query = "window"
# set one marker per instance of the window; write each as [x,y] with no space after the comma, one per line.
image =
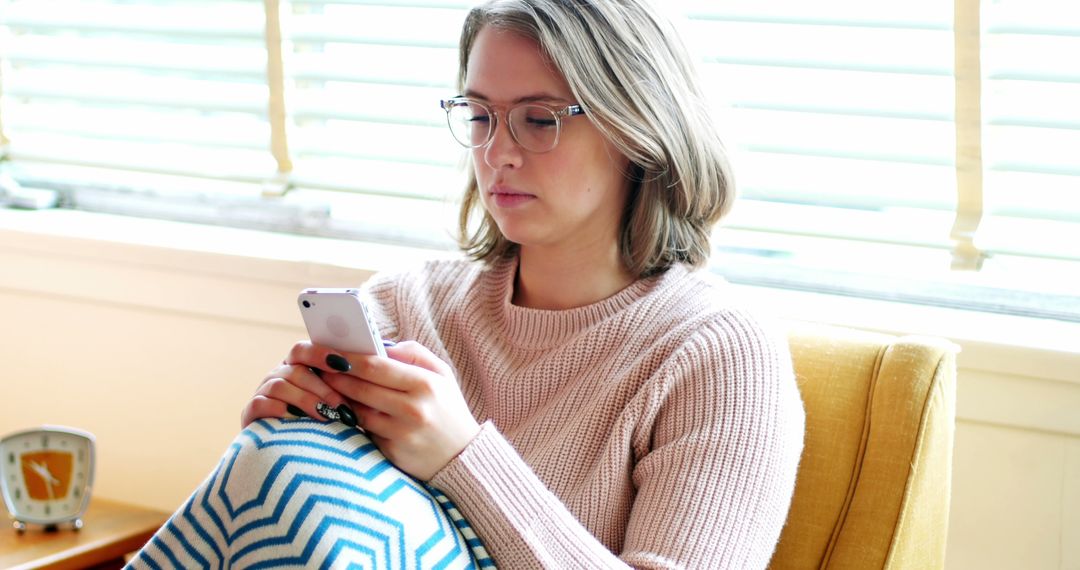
[876,145]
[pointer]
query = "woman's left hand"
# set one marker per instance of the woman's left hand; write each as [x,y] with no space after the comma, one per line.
[410,405]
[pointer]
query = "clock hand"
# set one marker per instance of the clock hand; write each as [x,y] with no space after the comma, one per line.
[42,470]
[39,468]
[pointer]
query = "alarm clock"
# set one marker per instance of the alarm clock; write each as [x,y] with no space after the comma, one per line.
[46,475]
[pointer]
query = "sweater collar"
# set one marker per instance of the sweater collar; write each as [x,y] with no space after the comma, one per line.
[547,328]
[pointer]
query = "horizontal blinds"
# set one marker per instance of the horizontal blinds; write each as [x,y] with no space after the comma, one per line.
[840,113]
[366,81]
[164,86]
[1031,105]
[830,107]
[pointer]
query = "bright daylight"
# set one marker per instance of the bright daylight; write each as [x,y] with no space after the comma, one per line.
[524,284]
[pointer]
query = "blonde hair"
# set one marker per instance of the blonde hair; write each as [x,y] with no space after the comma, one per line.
[627,67]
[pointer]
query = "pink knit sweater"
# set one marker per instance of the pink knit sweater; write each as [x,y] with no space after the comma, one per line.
[658,428]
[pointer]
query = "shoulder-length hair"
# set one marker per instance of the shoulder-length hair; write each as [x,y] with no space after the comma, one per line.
[628,68]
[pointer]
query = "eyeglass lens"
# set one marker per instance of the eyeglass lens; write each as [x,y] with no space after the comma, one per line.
[534,127]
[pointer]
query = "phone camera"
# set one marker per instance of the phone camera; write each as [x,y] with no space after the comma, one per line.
[307,304]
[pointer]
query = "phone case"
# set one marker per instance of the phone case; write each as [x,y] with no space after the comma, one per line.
[337,318]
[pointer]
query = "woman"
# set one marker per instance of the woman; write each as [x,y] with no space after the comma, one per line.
[584,396]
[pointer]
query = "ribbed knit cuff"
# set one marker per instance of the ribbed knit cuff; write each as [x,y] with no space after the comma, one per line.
[487,472]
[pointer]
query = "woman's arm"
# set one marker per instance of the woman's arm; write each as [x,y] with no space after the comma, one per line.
[716,488]
[712,491]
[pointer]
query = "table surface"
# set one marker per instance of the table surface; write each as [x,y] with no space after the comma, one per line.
[111,530]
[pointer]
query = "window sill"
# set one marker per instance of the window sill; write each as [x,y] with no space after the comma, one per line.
[112,254]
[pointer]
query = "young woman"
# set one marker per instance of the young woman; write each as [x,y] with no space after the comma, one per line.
[584,395]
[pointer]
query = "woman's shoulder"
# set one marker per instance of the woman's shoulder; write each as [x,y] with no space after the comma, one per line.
[712,318]
[700,296]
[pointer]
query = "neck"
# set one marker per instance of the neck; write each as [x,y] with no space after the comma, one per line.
[548,279]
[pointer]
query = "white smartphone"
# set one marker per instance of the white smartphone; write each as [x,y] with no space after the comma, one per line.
[337,318]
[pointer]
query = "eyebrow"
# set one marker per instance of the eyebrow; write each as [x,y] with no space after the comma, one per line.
[538,97]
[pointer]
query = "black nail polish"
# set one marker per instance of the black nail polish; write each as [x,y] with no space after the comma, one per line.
[388,343]
[296,411]
[348,417]
[338,362]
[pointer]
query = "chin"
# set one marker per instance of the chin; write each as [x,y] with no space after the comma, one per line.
[516,233]
[518,237]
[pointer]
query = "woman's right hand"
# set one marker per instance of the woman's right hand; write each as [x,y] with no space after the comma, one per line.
[295,382]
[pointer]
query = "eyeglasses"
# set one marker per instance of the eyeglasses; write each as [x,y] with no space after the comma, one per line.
[534,126]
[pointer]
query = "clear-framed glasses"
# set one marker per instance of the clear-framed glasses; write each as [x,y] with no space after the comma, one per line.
[534,126]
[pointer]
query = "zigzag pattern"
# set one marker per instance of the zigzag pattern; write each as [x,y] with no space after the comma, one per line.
[306,494]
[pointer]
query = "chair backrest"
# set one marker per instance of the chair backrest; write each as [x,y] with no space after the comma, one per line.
[873,484]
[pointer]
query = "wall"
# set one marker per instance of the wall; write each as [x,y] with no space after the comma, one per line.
[153,335]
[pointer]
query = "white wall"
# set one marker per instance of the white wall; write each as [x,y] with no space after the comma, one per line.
[154,335]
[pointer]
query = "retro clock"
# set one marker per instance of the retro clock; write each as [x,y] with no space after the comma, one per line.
[46,475]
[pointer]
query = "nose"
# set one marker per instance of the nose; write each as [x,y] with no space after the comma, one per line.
[502,150]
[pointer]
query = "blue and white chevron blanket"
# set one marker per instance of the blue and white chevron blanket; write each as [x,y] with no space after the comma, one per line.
[297,493]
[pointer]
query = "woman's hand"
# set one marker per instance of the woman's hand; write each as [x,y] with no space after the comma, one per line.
[410,405]
[296,382]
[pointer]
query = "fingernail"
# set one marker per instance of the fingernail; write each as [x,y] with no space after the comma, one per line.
[296,411]
[327,412]
[388,343]
[338,362]
[348,417]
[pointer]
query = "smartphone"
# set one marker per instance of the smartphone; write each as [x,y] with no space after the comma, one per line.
[337,318]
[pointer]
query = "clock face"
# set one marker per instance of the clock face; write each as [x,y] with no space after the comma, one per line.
[47,474]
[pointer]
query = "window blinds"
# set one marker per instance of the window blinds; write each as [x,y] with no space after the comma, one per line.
[1031,101]
[835,110]
[870,136]
[367,78]
[172,87]
[860,130]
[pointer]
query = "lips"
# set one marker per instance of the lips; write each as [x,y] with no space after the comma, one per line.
[506,197]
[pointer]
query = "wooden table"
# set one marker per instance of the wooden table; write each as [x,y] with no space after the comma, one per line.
[111,530]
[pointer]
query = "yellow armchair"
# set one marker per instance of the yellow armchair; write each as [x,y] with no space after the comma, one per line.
[873,484]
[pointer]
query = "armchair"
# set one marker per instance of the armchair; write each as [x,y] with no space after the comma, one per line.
[874,478]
